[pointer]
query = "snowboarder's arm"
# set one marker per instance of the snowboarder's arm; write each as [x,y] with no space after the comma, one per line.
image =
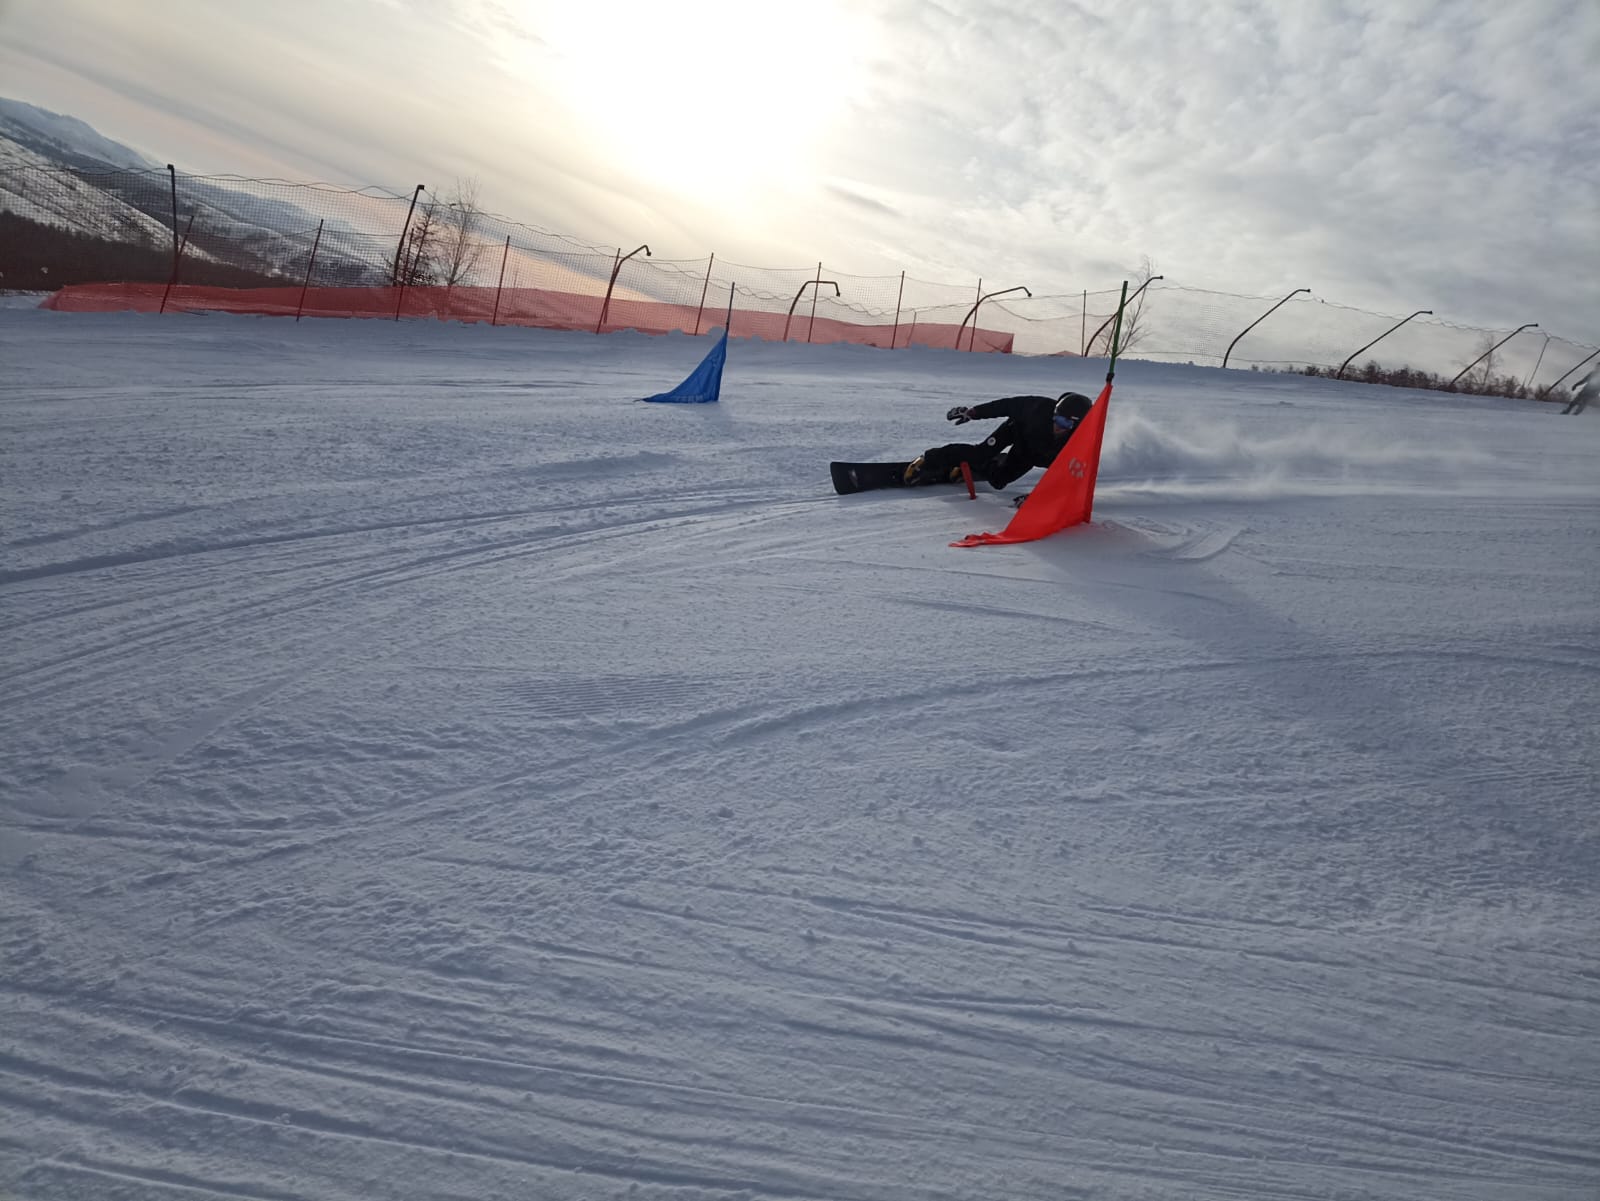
[1019,407]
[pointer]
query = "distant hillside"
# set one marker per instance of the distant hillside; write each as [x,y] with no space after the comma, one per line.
[58,176]
[64,139]
[36,257]
[34,186]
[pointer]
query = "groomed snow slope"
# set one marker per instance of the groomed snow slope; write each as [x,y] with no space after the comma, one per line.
[426,773]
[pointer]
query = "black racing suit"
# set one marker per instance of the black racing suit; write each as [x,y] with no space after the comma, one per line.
[1026,439]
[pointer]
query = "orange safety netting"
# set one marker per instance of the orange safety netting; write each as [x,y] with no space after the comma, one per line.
[539,307]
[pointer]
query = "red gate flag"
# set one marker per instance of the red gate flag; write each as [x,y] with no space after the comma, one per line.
[1065,495]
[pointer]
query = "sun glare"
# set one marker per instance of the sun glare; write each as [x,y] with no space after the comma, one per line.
[705,94]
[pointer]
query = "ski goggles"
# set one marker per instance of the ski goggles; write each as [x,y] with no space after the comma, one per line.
[1065,423]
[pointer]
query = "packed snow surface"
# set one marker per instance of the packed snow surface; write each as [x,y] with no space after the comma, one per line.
[426,772]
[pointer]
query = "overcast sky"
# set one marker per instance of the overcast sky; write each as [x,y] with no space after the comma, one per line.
[1388,154]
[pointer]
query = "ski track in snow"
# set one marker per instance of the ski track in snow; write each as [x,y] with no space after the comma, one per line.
[428,774]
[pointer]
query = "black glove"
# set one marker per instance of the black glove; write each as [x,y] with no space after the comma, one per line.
[960,415]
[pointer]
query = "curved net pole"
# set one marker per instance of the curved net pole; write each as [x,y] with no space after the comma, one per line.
[1450,387]
[1340,373]
[1259,320]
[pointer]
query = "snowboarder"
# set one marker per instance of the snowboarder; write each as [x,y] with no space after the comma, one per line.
[1033,432]
[1583,392]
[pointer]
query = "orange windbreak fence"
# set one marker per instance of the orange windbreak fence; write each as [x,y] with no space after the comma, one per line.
[164,241]
[517,306]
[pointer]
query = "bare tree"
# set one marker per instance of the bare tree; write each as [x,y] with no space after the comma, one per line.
[441,245]
[417,265]
[1485,371]
[1134,327]
[459,247]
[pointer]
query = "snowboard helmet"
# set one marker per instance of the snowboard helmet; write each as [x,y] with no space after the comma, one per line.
[1071,408]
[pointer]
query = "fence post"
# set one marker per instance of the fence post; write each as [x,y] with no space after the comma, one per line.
[812,326]
[1259,320]
[177,253]
[177,249]
[615,269]
[494,318]
[172,174]
[973,312]
[801,293]
[1339,374]
[1451,386]
[310,263]
[1527,384]
[899,296]
[1130,300]
[703,288]
[402,280]
[394,272]
[1574,370]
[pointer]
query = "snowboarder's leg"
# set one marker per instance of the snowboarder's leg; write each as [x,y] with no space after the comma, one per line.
[1000,470]
[942,464]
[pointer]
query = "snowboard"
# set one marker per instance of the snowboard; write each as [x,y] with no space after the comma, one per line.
[868,477]
[865,477]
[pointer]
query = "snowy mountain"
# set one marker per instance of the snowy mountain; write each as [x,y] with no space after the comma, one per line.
[67,200]
[58,171]
[64,139]
[426,773]
[50,166]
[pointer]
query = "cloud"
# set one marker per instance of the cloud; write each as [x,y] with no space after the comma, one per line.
[1384,152]
[853,197]
[1389,154]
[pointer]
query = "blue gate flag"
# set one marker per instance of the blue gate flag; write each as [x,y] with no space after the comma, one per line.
[704,384]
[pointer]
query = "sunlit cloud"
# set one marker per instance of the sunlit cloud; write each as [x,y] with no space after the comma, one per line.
[1386,154]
